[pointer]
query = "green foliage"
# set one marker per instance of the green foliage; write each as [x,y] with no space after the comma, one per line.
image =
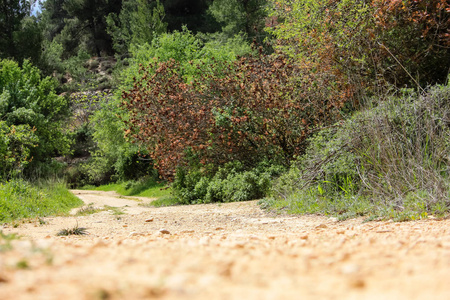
[138,22]
[238,16]
[27,41]
[16,143]
[230,183]
[389,161]
[20,199]
[52,57]
[327,160]
[164,201]
[114,155]
[32,116]
[117,155]
[191,51]
[79,25]
[144,187]
[366,43]
[20,35]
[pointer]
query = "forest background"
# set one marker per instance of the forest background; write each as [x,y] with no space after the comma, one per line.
[334,106]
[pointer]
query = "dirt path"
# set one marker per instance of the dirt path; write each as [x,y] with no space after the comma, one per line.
[227,251]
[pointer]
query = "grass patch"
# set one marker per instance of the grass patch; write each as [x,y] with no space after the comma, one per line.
[5,240]
[88,210]
[146,187]
[163,201]
[115,210]
[22,264]
[20,199]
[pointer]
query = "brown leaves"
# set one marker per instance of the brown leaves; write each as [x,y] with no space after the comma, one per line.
[247,112]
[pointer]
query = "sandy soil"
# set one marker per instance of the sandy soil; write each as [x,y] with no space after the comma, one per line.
[223,251]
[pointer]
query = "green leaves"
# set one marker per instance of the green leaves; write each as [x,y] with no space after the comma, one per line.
[31,117]
[241,17]
[138,23]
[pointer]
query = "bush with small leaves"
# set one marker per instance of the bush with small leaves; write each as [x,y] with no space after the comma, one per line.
[255,109]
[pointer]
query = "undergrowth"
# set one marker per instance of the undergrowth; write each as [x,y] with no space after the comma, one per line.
[390,161]
[168,200]
[20,199]
[146,187]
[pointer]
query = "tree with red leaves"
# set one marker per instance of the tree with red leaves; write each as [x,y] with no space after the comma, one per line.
[257,108]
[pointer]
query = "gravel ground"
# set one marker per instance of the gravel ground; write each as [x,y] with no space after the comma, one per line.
[222,251]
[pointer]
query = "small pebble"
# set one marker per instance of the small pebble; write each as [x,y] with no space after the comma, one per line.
[349,269]
[164,231]
[358,283]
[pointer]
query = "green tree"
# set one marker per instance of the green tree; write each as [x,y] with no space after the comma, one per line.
[32,115]
[139,22]
[241,16]
[20,35]
[91,16]
[28,39]
[11,15]
[193,14]
[79,24]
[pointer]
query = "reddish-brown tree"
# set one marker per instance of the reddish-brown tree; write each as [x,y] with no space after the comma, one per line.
[257,108]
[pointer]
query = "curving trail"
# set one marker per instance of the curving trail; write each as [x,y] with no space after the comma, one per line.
[222,251]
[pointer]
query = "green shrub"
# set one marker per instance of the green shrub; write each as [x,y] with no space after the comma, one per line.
[126,159]
[365,43]
[32,118]
[230,183]
[390,160]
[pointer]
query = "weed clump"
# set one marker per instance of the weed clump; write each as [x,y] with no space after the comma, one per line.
[73,231]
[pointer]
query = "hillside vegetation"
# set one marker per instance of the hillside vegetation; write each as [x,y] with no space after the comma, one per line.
[332,106]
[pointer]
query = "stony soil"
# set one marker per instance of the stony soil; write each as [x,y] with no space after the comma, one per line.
[222,251]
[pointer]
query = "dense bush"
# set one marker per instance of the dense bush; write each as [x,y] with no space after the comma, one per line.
[366,43]
[414,38]
[32,118]
[16,143]
[232,182]
[390,159]
[115,155]
[191,51]
[252,110]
